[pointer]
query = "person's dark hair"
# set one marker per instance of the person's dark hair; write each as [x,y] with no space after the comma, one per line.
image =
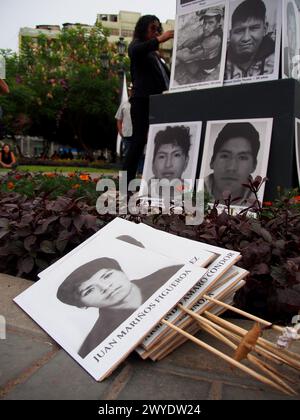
[178,136]
[249,9]
[68,291]
[141,27]
[4,145]
[234,130]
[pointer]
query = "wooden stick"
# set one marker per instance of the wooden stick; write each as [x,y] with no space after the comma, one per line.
[228,359]
[269,370]
[245,314]
[287,357]
[265,353]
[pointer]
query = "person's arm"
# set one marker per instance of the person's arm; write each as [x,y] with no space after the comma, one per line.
[4,165]
[13,158]
[119,127]
[209,48]
[3,87]
[139,48]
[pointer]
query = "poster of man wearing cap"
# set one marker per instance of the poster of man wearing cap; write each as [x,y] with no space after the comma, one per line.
[254,37]
[200,46]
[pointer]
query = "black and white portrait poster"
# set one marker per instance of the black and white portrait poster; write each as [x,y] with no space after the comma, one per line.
[171,154]
[254,39]
[199,50]
[234,150]
[104,299]
[297,141]
[290,39]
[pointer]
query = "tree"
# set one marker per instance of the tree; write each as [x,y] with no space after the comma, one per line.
[60,91]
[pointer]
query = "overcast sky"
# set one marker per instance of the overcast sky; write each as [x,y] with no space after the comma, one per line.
[15,14]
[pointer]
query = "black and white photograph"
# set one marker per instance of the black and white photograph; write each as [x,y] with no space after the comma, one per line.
[90,304]
[254,39]
[234,150]
[171,155]
[186,6]
[290,39]
[297,146]
[199,50]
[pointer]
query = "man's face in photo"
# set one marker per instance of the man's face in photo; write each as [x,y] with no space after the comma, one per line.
[169,162]
[232,166]
[210,24]
[246,37]
[107,287]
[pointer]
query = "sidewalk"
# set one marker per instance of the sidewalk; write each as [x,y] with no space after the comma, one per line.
[33,367]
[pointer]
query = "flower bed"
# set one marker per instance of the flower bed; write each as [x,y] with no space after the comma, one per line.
[44,216]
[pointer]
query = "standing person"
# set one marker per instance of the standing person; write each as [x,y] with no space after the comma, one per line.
[251,51]
[7,157]
[124,124]
[150,76]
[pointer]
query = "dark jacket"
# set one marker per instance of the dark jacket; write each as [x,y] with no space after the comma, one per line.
[263,62]
[110,319]
[146,73]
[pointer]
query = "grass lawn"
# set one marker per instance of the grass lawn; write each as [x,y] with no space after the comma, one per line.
[61,169]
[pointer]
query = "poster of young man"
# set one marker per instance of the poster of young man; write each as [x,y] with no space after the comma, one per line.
[199,50]
[234,150]
[297,146]
[171,158]
[105,298]
[290,39]
[254,39]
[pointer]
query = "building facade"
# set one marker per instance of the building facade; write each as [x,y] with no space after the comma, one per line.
[119,25]
[123,24]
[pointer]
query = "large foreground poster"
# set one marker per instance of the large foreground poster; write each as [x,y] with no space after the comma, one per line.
[254,39]
[199,45]
[234,150]
[104,298]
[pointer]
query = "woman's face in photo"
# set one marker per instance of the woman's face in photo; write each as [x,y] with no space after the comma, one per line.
[6,148]
[169,162]
[107,287]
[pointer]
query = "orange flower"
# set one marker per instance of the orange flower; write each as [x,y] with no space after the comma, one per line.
[75,186]
[84,177]
[10,185]
[268,203]
[71,174]
[50,174]
[296,199]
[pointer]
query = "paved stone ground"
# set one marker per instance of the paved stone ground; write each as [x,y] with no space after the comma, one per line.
[33,367]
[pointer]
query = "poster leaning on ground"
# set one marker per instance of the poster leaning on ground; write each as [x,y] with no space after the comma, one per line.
[104,298]
[199,50]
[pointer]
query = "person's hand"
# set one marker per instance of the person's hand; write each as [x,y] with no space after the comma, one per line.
[165,36]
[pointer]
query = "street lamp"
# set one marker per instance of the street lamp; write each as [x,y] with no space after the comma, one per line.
[104,58]
[121,46]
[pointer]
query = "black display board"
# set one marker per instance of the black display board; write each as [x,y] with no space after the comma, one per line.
[278,99]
